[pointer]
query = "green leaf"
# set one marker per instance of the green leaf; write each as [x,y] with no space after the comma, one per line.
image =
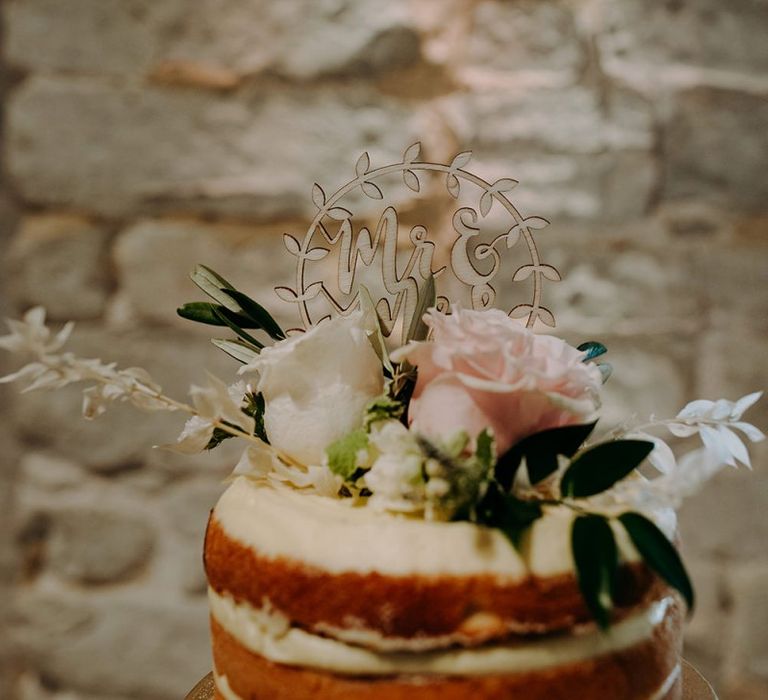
[506,513]
[243,352]
[257,313]
[382,408]
[254,407]
[418,330]
[229,320]
[203,312]
[212,284]
[658,553]
[596,557]
[540,451]
[592,349]
[484,452]
[343,453]
[217,437]
[597,469]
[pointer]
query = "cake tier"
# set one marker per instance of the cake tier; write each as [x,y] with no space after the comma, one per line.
[395,583]
[257,655]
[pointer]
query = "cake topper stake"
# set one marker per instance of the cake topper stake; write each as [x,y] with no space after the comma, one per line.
[404,288]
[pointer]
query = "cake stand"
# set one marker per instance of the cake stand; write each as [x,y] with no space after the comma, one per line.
[695,686]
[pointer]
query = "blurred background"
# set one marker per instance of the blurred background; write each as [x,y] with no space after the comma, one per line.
[140,137]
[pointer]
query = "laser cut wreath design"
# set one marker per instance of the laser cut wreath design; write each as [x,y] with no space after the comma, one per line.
[406,284]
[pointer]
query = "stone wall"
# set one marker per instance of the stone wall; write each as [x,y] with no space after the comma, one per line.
[142,136]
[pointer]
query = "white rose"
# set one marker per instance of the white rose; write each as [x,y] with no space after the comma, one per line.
[316,386]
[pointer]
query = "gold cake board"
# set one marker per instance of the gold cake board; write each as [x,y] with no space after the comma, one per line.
[695,686]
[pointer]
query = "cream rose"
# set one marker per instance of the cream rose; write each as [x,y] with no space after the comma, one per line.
[316,386]
[482,370]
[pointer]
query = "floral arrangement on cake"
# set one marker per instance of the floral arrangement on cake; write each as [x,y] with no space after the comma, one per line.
[475,417]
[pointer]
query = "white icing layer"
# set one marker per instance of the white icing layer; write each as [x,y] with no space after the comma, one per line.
[269,634]
[336,536]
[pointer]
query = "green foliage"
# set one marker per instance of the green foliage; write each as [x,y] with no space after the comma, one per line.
[658,553]
[343,453]
[254,407]
[540,451]
[507,513]
[597,469]
[233,310]
[256,314]
[382,408]
[596,558]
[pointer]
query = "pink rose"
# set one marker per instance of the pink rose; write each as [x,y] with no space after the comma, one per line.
[482,370]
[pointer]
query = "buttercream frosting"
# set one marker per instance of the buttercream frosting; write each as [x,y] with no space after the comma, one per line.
[337,536]
[268,633]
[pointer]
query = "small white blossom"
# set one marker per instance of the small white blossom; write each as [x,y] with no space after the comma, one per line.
[396,478]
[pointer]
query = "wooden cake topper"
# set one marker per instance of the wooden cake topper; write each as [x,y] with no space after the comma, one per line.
[335,258]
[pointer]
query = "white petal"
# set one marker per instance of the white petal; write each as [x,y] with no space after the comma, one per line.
[256,461]
[753,433]
[715,444]
[62,337]
[195,436]
[696,409]
[722,409]
[735,445]
[682,430]
[33,369]
[661,456]
[744,403]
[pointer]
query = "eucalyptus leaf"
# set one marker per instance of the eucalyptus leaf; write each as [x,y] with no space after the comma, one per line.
[257,313]
[212,283]
[540,451]
[592,349]
[597,469]
[243,352]
[658,553]
[596,558]
[229,320]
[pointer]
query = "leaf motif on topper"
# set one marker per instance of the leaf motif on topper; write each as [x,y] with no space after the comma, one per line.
[337,254]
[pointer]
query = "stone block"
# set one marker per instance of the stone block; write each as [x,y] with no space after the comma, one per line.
[575,156]
[723,521]
[706,632]
[133,648]
[511,37]
[98,546]
[80,36]
[153,260]
[618,283]
[746,676]
[59,261]
[732,279]
[300,40]
[115,150]
[705,33]
[713,144]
